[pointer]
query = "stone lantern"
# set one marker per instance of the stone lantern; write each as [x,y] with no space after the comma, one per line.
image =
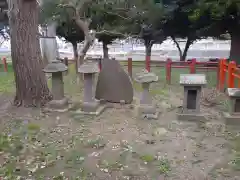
[56,68]
[193,84]
[89,105]
[233,116]
[146,108]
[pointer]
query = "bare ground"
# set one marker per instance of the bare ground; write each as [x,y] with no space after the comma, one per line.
[116,145]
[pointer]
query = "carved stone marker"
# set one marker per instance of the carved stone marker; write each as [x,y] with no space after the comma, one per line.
[59,102]
[146,108]
[114,85]
[233,117]
[192,84]
[89,105]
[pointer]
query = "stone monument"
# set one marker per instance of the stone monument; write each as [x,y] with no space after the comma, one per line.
[233,116]
[146,109]
[192,84]
[89,105]
[59,102]
[114,84]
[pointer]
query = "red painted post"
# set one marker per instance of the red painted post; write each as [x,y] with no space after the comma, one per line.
[4,60]
[130,67]
[148,59]
[168,70]
[222,74]
[192,66]
[231,69]
[218,74]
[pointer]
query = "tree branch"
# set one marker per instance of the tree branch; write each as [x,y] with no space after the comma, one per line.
[178,47]
[115,14]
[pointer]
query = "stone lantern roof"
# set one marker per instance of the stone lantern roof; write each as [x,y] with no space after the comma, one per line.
[55,66]
[146,77]
[88,67]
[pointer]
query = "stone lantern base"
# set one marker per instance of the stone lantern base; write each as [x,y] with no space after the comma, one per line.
[190,116]
[232,119]
[92,108]
[58,105]
[147,112]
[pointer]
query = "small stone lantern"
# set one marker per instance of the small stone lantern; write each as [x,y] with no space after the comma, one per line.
[89,105]
[233,117]
[192,84]
[56,68]
[146,108]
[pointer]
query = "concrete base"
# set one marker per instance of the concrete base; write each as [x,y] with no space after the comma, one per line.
[147,112]
[232,119]
[89,106]
[191,117]
[78,114]
[58,105]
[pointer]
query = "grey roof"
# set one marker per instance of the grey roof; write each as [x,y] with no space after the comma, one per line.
[193,79]
[88,67]
[146,77]
[55,66]
[233,92]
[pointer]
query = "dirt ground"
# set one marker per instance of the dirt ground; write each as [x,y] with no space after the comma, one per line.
[117,145]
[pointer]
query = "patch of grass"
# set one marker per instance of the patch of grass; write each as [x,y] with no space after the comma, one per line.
[236,148]
[164,166]
[33,127]
[7,82]
[106,166]
[147,158]
[95,143]
[75,158]
[4,142]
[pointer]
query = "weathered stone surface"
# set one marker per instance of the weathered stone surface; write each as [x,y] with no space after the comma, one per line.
[114,84]
[89,67]
[232,120]
[193,79]
[233,92]
[57,86]
[55,66]
[146,77]
[193,84]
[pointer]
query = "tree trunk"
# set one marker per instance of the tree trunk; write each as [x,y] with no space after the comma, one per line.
[75,53]
[235,48]
[31,84]
[187,45]
[183,54]
[105,51]
[88,40]
[178,47]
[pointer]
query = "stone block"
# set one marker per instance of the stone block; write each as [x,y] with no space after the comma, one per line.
[147,112]
[193,79]
[233,92]
[231,119]
[58,105]
[191,117]
[114,84]
[89,106]
[78,114]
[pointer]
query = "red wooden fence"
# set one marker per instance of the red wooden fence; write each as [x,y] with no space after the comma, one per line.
[192,65]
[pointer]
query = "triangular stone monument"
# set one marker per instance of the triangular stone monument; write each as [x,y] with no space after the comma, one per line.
[114,84]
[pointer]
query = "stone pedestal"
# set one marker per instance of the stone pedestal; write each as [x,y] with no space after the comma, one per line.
[89,105]
[146,109]
[59,102]
[192,84]
[233,116]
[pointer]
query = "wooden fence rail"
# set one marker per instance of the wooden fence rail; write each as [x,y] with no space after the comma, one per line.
[228,73]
